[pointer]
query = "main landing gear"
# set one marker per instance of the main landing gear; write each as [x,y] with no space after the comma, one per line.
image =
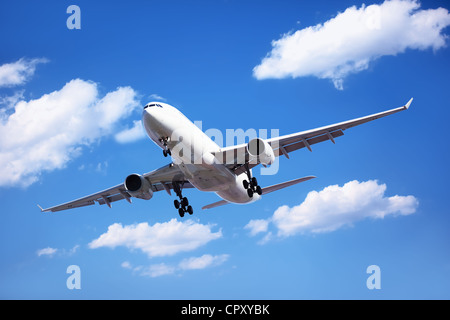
[251,184]
[166,150]
[181,205]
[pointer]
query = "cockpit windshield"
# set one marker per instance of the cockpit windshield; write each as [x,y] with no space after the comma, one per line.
[153,105]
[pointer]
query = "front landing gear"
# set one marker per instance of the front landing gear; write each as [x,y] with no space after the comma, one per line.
[166,150]
[181,205]
[251,184]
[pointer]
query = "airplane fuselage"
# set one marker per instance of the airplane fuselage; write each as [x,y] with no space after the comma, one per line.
[191,149]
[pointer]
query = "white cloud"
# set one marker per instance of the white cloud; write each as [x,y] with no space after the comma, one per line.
[46,133]
[160,239]
[73,250]
[102,167]
[46,252]
[260,226]
[266,238]
[50,252]
[9,102]
[335,207]
[193,263]
[155,96]
[17,73]
[348,42]
[130,135]
[157,270]
[203,262]
[257,226]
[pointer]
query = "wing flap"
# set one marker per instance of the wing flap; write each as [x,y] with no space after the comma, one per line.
[292,146]
[103,197]
[69,206]
[116,197]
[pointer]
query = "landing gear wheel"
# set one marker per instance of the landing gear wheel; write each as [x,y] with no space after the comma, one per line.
[251,184]
[166,150]
[182,205]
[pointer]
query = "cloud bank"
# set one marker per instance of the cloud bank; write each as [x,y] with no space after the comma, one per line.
[334,207]
[349,42]
[46,133]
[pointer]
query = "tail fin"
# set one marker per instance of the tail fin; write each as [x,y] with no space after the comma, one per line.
[265,190]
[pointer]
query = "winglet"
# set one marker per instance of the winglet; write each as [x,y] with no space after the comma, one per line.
[409,103]
[42,210]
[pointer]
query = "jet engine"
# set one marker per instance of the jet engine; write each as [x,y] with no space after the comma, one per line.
[260,151]
[138,187]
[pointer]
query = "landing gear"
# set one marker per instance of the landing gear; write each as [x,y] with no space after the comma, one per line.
[181,205]
[166,150]
[251,184]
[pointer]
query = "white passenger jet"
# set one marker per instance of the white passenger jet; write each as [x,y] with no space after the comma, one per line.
[198,162]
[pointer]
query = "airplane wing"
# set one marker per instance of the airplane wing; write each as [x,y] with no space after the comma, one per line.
[283,145]
[159,179]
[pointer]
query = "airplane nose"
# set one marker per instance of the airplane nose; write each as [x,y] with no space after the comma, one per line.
[149,112]
[151,118]
[148,117]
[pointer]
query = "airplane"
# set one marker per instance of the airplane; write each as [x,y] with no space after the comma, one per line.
[198,162]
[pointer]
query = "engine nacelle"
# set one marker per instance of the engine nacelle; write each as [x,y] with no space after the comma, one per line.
[259,150]
[138,187]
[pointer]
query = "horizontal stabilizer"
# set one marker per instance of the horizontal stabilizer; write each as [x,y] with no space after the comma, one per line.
[265,190]
[216,204]
[286,184]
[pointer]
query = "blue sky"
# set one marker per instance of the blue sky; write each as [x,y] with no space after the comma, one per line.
[67,96]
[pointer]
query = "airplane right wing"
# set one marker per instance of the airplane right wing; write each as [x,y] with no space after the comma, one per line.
[289,143]
[283,145]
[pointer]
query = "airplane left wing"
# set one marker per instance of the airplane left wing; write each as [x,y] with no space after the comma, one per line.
[163,178]
[283,145]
